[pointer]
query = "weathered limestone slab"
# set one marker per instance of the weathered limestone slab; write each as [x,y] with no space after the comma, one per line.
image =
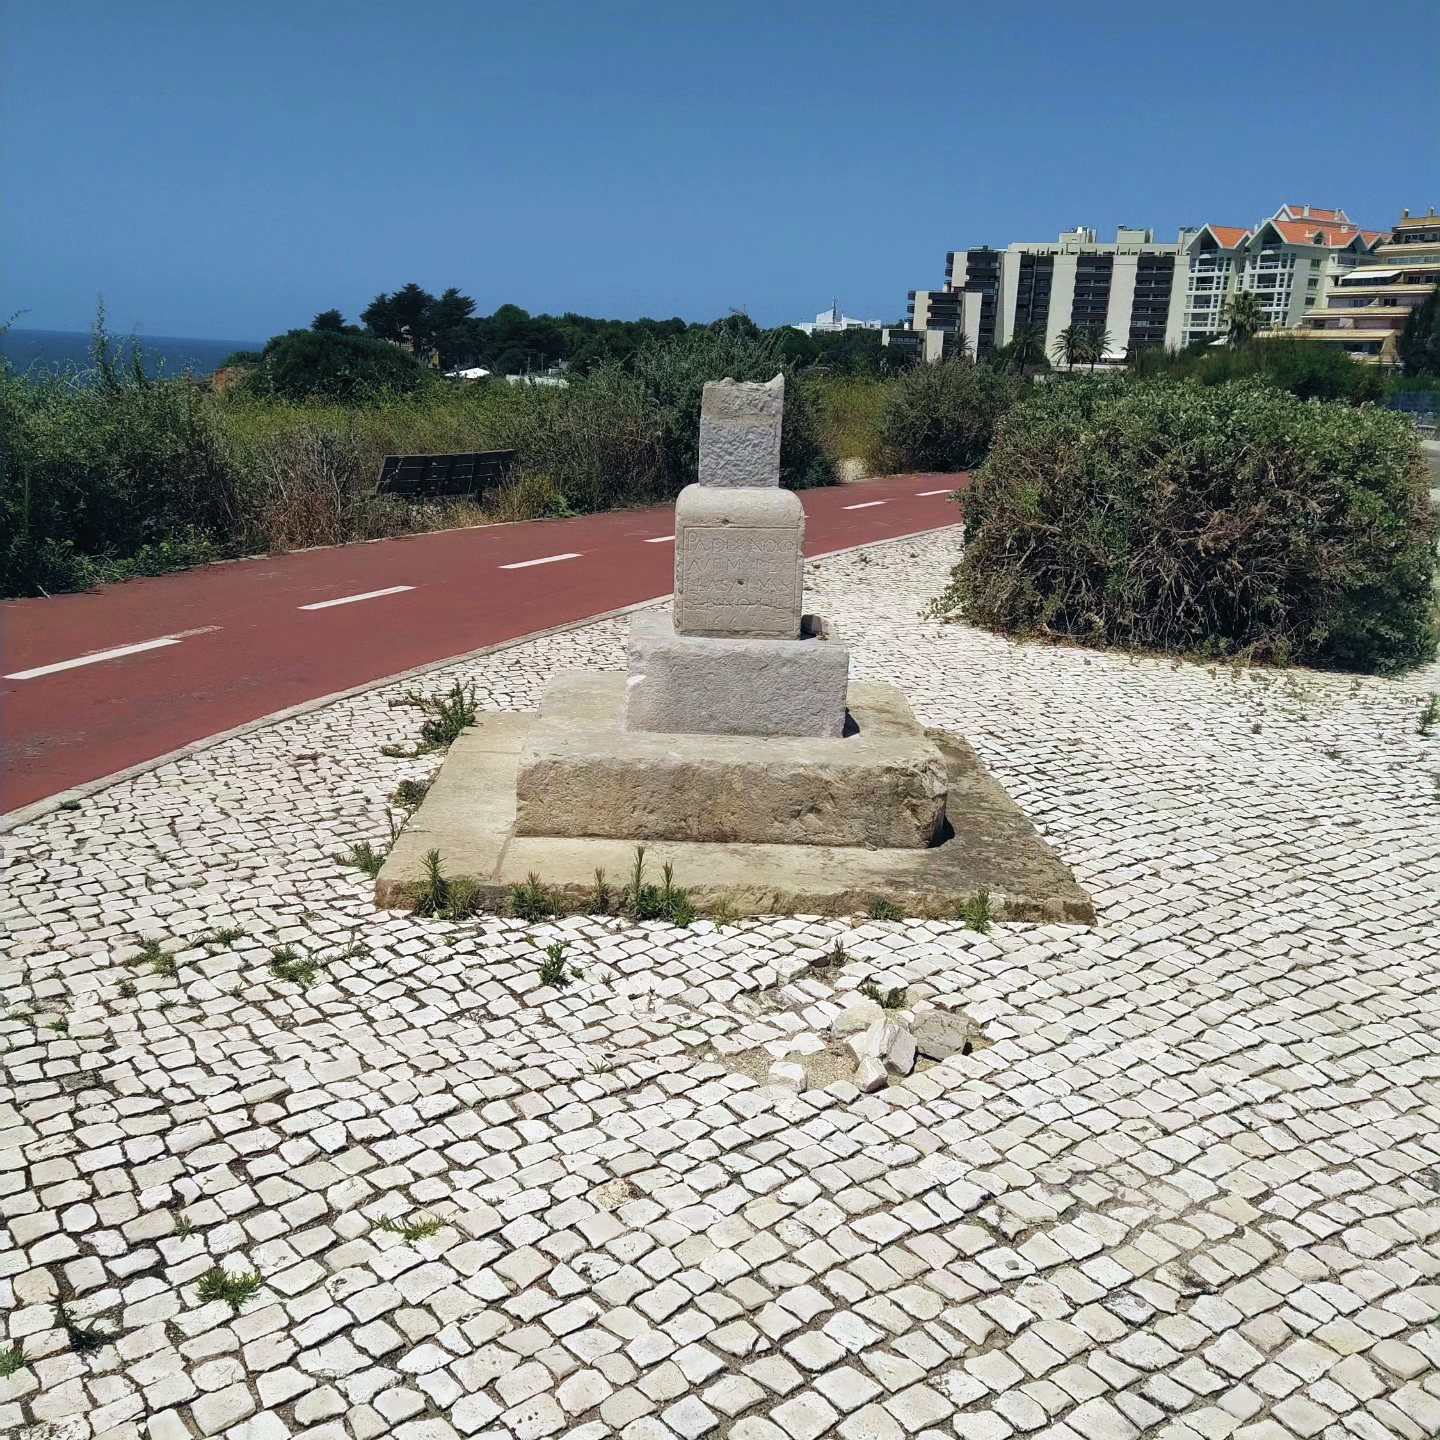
[740,433]
[696,685]
[739,566]
[581,774]
[992,847]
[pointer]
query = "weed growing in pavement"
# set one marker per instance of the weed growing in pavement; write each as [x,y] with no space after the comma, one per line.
[11,1359]
[553,970]
[60,1025]
[601,897]
[224,937]
[84,1339]
[234,1290]
[892,999]
[184,1229]
[235,991]
[169,1003]
[832,958]
[533,901]
[880,909]
[286,963]
[128,990]
[421,1228]
[68,805]
[440,898]
[644,901]
[364,856]
[723,913]
[1429,715]
[977,914]
[153,954]
[446,715]
[409,793]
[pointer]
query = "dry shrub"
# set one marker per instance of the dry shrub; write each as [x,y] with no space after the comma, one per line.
[1228,521]
[943,417]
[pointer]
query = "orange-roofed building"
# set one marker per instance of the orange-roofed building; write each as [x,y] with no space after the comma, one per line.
[1366,308]
[1290,261]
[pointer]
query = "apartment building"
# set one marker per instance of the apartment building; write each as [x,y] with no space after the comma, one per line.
[1366,307]
[1142,293]
[1125,287]
[1289,261]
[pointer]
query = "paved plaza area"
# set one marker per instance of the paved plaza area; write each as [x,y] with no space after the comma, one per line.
[1186,1185]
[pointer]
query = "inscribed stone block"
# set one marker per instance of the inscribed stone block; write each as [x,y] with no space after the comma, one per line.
[739,568]
[740,433]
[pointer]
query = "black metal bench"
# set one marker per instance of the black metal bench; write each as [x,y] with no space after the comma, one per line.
[420,477]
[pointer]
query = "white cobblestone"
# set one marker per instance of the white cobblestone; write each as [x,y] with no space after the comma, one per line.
[1190,1187]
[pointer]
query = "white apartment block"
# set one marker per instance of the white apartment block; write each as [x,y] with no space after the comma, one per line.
[1143,294]
[1290,261]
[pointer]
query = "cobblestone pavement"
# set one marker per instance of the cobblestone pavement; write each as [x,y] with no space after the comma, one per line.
[1190,1187]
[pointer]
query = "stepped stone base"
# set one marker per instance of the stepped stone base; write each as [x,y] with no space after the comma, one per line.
[987,844]
[582,775]
[693,685]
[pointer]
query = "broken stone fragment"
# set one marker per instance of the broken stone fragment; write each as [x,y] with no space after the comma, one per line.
[871,1076]
[887,1042]
[939,1035]
[855,1018]
[788,1074]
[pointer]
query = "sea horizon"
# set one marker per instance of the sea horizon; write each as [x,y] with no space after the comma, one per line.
[60,350]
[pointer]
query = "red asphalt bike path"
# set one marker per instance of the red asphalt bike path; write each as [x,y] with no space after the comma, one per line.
[244,648]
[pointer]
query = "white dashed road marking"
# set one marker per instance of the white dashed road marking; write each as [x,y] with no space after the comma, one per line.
[864,505]
[94,659]
[922,493]
[543,560]
[659,539]
[351,599]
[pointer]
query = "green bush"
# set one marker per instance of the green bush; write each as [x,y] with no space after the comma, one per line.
[942,417]
[105,476]
[1227,521]
[335,365]
[1310,369]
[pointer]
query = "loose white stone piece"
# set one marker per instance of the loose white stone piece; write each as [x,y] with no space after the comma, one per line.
[740,433]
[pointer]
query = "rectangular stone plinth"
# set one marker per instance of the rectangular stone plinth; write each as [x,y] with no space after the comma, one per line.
[581,773]
[696,685]
[740,433]
[469,815]
[739,562]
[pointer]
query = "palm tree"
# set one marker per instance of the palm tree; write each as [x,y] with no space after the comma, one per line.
[1244,317]
[1070,345]
[1027,346]
[1097,342]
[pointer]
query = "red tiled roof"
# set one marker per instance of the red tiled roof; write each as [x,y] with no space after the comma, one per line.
[1229,235]
[1308,232]
[1301,213]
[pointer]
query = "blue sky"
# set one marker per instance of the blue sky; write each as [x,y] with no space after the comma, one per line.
[229,170]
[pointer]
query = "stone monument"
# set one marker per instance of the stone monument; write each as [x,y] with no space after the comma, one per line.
[736,655]
[735,744]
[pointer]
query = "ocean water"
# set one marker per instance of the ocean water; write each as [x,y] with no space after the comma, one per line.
[70,349]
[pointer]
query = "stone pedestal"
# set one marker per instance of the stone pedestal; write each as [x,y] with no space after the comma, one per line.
[695,685]
[582,773]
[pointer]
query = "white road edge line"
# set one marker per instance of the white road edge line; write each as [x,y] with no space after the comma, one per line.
[543,560]
[659,539]
[351,599]
[864,505]
[92,659]
[920,493]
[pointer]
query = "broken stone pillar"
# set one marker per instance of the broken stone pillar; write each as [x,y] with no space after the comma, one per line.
[740,434]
